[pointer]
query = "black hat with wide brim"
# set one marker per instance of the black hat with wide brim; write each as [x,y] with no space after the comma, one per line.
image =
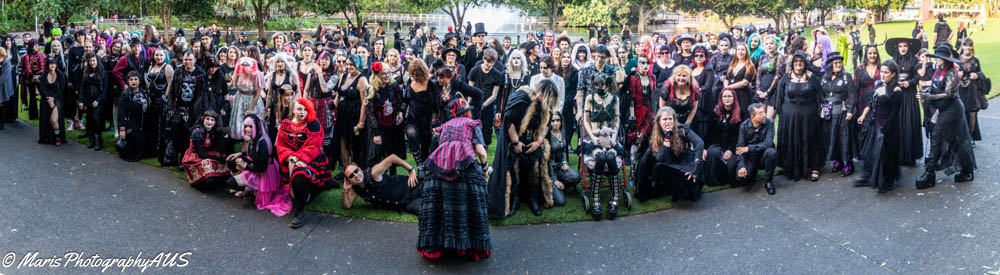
[945,51]
[833,56]
[687,37]
[892,45]
[480,28]
[447,50]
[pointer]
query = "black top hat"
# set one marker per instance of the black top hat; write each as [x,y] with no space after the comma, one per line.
[831,57]
[527,46]
[945,51]
[480,28]
[892,46]
[737,27]
[243,33]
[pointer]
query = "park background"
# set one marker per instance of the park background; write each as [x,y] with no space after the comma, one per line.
[515,18]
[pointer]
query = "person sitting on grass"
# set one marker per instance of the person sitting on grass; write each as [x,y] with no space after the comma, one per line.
[381,190]
[255,169]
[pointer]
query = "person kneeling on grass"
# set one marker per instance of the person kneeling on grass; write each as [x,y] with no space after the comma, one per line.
[381,190]
[256,170]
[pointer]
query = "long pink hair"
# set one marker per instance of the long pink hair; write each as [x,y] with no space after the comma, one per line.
[248,72]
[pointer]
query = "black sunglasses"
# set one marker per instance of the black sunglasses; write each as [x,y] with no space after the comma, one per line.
[357,170]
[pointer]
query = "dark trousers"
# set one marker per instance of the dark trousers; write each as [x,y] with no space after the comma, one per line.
[718,171]
[303,190]
[95,122]
[487,117]
[29,96]
[752,162]
[569,178]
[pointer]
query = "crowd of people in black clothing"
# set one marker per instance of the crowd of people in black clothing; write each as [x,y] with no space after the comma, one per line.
[274,118]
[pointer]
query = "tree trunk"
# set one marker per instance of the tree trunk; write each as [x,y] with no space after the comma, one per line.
[166,13]
[553,5]
[259,17]
[777,21]
[644,14]
[725,20]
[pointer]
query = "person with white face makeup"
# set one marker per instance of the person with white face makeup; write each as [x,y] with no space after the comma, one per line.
[204,164]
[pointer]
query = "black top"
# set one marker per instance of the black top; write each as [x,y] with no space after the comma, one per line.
[756,139]
[422,105]
[390,192]
[689,159]
[202,141]
[52,89]
[724,133]
[486,81]
[258,156]
[131,106]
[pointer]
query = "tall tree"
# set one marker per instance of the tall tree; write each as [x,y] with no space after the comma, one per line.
[823,6]
[880,8]
[455,9]
[551,8]
[727,10]
[644,10]
[260,8]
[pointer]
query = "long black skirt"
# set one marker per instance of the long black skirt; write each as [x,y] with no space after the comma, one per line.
[800,146]
[45,134]
[883,160]
[453,215]
[911,142]
[839,137]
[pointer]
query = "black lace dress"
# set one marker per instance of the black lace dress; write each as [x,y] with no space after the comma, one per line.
[911,142]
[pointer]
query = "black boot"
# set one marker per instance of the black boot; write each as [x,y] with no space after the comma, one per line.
[928,179]
[93,141]
[613,201]
[100,142]
[770,188]
[533,197]
[964,177]
[515,199]
[595,191]
[298,217]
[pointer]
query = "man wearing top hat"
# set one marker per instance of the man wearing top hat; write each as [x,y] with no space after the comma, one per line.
[475,53]
[737,33]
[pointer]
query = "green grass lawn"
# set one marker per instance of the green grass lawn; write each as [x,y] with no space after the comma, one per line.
[987,43]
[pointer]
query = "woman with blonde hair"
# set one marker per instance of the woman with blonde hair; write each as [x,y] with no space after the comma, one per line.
[384,118]
[681,93]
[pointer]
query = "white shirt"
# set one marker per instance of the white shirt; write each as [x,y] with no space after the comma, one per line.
[560,87]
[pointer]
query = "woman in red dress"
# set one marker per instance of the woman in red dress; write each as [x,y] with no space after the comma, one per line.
[304,166]
[203,163]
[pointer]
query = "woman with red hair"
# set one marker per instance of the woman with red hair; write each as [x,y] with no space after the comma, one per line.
[720,160]
[304,167]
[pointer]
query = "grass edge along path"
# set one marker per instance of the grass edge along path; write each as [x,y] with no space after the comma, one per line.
[329,201]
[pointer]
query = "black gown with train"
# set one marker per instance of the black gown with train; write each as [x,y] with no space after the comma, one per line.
[911,142]
[882,163]
[800,146]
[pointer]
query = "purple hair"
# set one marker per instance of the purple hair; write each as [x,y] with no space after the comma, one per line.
[824,41]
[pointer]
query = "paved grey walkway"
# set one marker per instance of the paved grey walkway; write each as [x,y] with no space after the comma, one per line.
[55,200]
